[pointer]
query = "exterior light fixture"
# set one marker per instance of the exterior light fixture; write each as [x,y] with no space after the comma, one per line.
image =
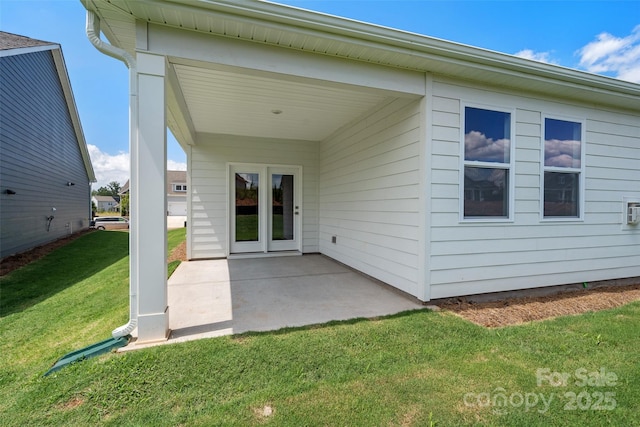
[7,191]
[69,184]
[276,111]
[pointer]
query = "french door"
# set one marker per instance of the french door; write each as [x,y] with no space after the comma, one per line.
[265,214]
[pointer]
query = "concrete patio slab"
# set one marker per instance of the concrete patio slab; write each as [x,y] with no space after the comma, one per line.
[222,297]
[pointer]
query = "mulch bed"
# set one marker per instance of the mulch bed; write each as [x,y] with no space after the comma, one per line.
[13,262]
[179,253]
[514,311]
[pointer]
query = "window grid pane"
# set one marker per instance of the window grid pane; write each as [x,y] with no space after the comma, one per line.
[562,144]
[561,194]
[487,136]
[486,192]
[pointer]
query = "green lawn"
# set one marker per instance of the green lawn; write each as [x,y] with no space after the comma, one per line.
[417,368]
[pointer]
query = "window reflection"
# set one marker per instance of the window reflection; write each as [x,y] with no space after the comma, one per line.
[487,158]
[562,143]
[562,168]
[282,208]
[247,189]
[487,135]
[485,192]
[561,194]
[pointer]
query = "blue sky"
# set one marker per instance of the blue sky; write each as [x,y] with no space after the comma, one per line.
[595,36]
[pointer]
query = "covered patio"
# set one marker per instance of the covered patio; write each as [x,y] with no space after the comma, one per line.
[211,298]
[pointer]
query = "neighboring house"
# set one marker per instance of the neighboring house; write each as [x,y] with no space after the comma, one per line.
[438,168]
[124,199]
[105,203]
[45,169]
[177,193]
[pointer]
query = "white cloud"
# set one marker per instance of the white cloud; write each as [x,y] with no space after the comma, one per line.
[109,167]
[536,56]
[617,56]
[172,165]
[478,147]
[562,153]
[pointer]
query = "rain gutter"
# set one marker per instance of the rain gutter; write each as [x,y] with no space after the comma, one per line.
[93,34]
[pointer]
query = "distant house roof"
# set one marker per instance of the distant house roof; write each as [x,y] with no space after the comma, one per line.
[14,41]
[13,44]
[177,176]
[125,188]
[104,198]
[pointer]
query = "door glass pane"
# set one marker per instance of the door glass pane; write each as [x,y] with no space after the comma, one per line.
[247,212]
[282,208]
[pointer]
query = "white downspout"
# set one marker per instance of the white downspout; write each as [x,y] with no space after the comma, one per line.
[93,34]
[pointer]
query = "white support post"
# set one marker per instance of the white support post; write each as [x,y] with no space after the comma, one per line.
[149,200]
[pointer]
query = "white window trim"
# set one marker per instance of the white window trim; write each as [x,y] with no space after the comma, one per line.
[580,170]
[510,166]
[175,188]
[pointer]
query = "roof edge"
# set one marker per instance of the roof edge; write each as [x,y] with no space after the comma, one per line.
[359,30]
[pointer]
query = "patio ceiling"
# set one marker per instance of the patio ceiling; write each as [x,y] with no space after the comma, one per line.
[235,102]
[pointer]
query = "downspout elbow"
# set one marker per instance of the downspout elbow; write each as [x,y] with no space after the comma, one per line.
[93,34]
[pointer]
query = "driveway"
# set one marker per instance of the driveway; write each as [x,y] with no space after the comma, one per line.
[175,222]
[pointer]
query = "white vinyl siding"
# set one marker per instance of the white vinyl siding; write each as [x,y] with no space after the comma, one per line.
[208,188]
[369,194]
[470,258]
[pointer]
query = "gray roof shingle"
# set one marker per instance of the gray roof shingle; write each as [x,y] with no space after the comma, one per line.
[14,41]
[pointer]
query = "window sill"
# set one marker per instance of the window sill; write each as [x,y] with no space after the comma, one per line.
[561,219]
[480,220]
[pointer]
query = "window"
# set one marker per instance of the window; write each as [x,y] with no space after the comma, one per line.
[488,164]
[562,169]
[179,187]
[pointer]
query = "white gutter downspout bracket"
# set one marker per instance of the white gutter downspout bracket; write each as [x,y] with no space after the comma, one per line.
[93,34]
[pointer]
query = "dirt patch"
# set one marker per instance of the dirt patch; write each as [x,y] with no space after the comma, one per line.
[13,262]
[515,311]
[71,404]
[179,253]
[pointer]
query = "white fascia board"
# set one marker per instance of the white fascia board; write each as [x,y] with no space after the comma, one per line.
[193,46]
[24,50]
[357,31]
[366,35]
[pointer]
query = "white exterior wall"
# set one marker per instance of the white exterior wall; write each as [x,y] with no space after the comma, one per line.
[468,258]
[208,187]
[369,194]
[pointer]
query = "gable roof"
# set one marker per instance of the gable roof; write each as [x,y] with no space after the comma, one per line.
[285,26]
[13,44]
[14,41]
[177,177]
